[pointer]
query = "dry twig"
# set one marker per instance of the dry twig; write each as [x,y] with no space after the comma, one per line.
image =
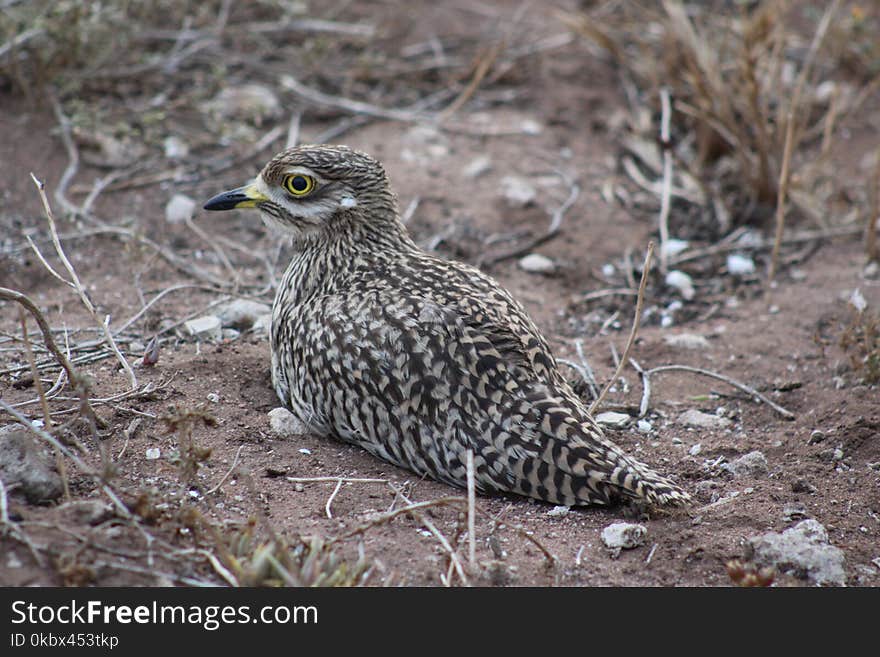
[78,286]
[640,299]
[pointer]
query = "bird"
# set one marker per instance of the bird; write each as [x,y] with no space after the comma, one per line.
[419,359]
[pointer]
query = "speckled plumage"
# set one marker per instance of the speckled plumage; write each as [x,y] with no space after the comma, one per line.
[419,359]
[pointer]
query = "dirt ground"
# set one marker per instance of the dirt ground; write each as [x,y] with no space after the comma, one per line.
[555,112]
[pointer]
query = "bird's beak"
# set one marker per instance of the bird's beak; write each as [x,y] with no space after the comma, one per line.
[243,197]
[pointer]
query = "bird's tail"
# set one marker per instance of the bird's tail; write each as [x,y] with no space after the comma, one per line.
[567,459]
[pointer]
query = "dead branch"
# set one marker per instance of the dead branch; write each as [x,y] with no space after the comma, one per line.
[788,415]
[471,488]
[640,299]
[667,177]
[77,285]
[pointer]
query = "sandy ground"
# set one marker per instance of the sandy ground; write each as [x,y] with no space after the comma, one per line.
[781,339]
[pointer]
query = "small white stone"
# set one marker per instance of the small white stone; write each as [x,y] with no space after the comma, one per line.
[286,424]
[624,535]
[753,464]
[531,127]
[250,102]
[687,341]
[153,453]
[535,263]
[207,327]
[681,282]
[673,247]
[305,451]
[738,265]
[179,209]
[857,300]
[478,166]
[559,511]
[695,418]
[175,148]
[213,397]
[614,420]
[696,449]
[644,426]
[517,191]
[608,270]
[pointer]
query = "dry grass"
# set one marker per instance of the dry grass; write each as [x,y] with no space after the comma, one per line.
[860,339]
[740,81]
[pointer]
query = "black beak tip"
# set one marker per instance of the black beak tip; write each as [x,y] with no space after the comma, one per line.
[224,201]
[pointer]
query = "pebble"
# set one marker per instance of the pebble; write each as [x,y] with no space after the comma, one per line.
[559,511]
[531,127]
[696,449]
[753,464]
[624,535]
[249,102]
[681,282]
[180,208]
[793,512]
[613,420]
[517,192]
[213,397]
[816,436]
[207,327]
[738,265]
[706,491]
[857,300]
[695,418]
[687,341]
[26,467]
[872,270]
[673,247]
[644,426]
[241,314]
[285,424]
[535,263]
[477,167]
[175,148]
[802,551]
[803,486]
[153,453]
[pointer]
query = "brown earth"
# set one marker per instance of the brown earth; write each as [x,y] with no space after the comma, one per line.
[781,339]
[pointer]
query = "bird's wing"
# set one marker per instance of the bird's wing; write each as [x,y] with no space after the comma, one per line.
[420,384]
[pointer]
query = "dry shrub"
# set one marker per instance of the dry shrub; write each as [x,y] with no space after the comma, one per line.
[739,76]
[277,562]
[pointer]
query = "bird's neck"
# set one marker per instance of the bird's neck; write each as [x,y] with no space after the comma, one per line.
[323,263]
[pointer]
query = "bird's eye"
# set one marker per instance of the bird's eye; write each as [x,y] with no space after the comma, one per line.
[299,185]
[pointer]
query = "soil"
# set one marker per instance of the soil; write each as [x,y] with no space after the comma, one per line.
[782,339]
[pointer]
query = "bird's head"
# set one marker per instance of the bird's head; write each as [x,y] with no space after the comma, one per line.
[313,191]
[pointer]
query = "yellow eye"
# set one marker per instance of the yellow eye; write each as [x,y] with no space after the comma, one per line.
[299,184]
